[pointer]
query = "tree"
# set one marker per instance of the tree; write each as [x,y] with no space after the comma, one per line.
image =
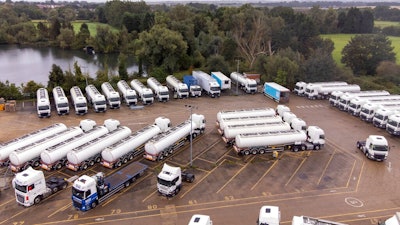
[56,77]
[30,88]
[66,38]
[363,53]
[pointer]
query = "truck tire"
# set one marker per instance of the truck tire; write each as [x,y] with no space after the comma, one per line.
[37,200]
[85,166]
[64,186]
[97,159]
[246,152]
[262,151]
[36,163]
[127,184]
[93,205]
[303,147]
[254,151]
[118,164]
[317,147]
[124,160]
[91,162]
[58,166]
[296,148]
[54,190]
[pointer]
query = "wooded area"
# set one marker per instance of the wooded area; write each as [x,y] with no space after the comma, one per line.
[281,43]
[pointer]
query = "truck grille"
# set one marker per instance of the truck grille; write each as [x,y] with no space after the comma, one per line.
[390,130]
[378,156]
[20,198]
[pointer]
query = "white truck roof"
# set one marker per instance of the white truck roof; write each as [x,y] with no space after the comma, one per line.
[198,219]
[269,215]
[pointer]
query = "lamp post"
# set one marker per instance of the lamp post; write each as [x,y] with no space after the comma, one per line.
[191,133]
[237,70]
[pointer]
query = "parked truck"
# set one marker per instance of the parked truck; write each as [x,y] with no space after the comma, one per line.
[198,219]
[209,85]
[393,124]
[382,117]
[29,156]
[179,89]
[300,87]
[361,95]
[375,147]
[55,157]
[79,101]
[160,91]
[31,187]
[166,143]
[260,143]
[43,103]
[394,220]
[169,180]
[8,147]
[280,109]
[368,110]
[324,91]
[306,220]
[231,131]
[96,99]
[194,87]
[145,94]
[244,112]
[246,84]
[355,104]
[276,92]
[223,81]
[128,94]
[90,191]
[128,148]
[60,101]
[247,120]
[87,155]
[112,96]
[269,215]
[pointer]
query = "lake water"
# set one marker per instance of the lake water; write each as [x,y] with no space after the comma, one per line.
[20,65]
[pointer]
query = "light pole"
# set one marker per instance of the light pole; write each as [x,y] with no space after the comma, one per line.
[191,133]
[237,70]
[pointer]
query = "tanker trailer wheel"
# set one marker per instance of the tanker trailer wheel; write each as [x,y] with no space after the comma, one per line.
[118,164]
[262,151]
[296,148]
[160,156]
[166,153]
[254,152]
[91,162]
[98,159]
[246,152]
[130,157]
[194,135]
[125,160]
[36,163]
[317,147]
[303,147]
[85,166]
[58,166]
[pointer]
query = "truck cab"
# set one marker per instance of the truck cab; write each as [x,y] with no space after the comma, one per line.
[169,180]
[43,103]
[31,187]
[198,219]
[84,191]
[269,215]
[375,147]
[394,220]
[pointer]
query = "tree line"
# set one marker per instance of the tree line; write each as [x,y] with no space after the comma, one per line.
[281,43]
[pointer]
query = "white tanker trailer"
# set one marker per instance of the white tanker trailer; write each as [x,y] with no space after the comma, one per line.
[244,112]
[29,156]
[166,143]
[128,148]
[232,131]
[55,157]
[260,143]
[246,120]
[27,139]
[86,155]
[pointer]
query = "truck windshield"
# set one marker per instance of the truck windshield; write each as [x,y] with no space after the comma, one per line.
[21,188]
[352,105]
[78,193]
[62,105]
[364,110]
[381,148]
[164,182]
[44,107]
[131,97]
[114,99]
[253,85]
[196,89]
[100,103]
[392,122]
[81,105]
[164,93]
[148,96]
[183,90]
[214,88]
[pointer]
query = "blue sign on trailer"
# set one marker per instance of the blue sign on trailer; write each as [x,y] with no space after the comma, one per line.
[277,92]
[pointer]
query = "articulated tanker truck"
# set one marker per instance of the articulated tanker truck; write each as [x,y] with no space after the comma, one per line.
[260,143]
[244,112]
[160,91]
[55,157]
[231,131]
[130,147]
[86,155]
[29,156]
[166,143]
[246,120]
[14,144]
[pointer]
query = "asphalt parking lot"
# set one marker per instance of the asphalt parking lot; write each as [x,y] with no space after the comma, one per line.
[335,183]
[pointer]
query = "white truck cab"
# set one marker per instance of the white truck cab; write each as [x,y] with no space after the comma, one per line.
[269,215]
[169,180]
[43,103]
[375,147]
[198,219]
[394,220]
[61,101]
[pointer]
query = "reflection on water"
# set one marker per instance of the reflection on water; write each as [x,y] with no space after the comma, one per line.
[22,64]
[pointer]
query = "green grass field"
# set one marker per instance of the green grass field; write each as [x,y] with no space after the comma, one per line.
[382,24]
[341,40]
[78,23]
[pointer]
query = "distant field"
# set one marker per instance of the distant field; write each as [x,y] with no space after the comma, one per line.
[341,40]
[91,25]
[382,24]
